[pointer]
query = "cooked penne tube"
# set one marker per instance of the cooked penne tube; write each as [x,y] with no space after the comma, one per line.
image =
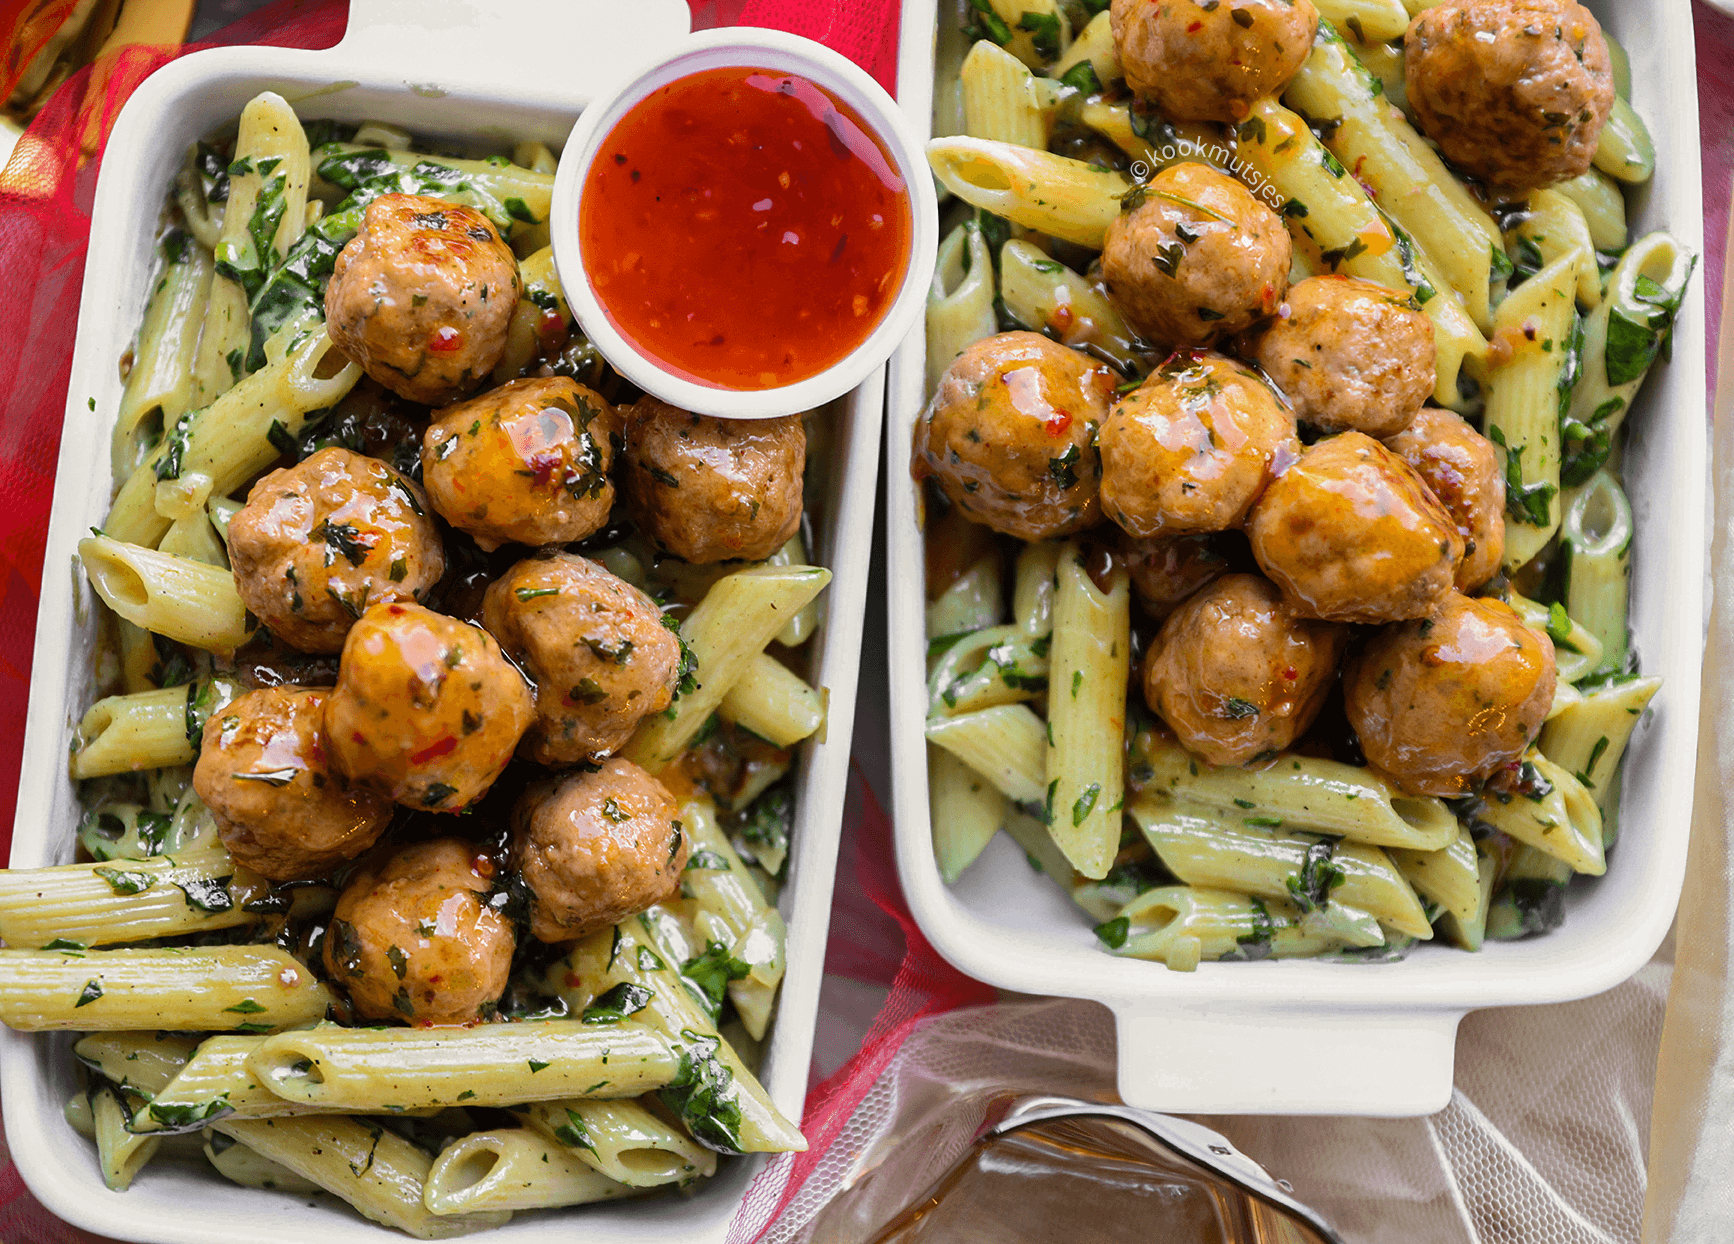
[141,1061]
[1094,45]
[1007,745]
[1624,151]
[998,665]
[1003,100]
[126,733]
[1298,792]
[800,628]
[1469,934]
[1596,541]
[1156,141]
[1588,738]
[159,388]
[1033,589]
[1555,226]
[1180,926]
[1448,877]
[1090,662]
[1205,848]
[512,1168]
[496,1064]
[774,702]
[377,1171]
[1049,297]
[512,195]
[1530,897]
[542,296]
[1534,325]
[1561,820]
[119,1153]
[126,901]
[968,604]
[1035,31]
[1603,205]
[236,437]
[740,614]
[1369,21]
[241,1165]
[623,1140]
[174,989]
[187,601]
[960,308]
[967,812]
[1577,652]
[1051,194]
[193,538]
[730,911]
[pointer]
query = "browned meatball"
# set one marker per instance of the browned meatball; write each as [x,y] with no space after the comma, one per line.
[1514,91]
[526,463]
[319,542]
[1166,570]
[279,809]
[1441,702]
[1208,60]
[1193,447]
[597,647]
[1197,258]
[426,709]
[1348,354]
[413,937]
[713,490]
[596,848]
[422,297]
[1010,435]
[1352,534]
[1461,468]
[1237,673]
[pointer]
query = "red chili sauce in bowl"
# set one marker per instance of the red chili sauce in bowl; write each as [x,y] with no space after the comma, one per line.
[743,228]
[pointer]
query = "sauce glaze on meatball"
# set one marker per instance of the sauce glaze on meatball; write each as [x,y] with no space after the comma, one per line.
[319,542]
[413,937]
[422,297]
[1237,673]
[426,709]
[526,463]
[1462,469]
[712,490]
[1351,534]
[602,658]
[279,809]
[1348,354]
[1442,702]
[1193,447]
[1197,258]
[1010,436]
[596,848]
[1208,60]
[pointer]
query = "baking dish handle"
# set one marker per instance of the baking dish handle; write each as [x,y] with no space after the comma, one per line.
[469,41]
[1232,1060]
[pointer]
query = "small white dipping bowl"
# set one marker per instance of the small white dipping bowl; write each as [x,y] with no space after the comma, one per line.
[747,47]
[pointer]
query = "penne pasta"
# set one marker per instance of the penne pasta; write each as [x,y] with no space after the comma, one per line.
[990,667]
[1095,47]
[1051,194]
[1624,151]
[1596,542]
[1034,31]
[510,1169]
[623,1140]
[1049,297]
[241,1165]
[119,1153]
[190,602]
[130,901]
[971,602]
[1448,877]
[1002,100]
[1181,926]
[1577,650]
[1469,934]
[774,702]
[960,308]
[159,388]
[126,733]
[800,628]
[1560,819]
[143,1062]
[1555,226]
[730,912]
[1589,738]
[967,812]
[1007,745]
[1603,205]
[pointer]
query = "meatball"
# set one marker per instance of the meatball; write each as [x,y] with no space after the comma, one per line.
[1237,673]
[1352,534]
[602,658]
[1461,468]
[1514,91]
[1166,570]
[713,490]
[1348,354]
[1193,447]
[422,297]
[414,937]
[1197,258]
[526,463]
[1010,436]
[597,847]
[426,709]
[1442,702]
[279,809]
[319,542]
[1209,61]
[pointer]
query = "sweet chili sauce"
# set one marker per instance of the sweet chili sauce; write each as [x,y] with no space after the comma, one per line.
[743,228]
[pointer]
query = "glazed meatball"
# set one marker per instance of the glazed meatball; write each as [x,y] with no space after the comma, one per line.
[422,297]
[318,543]
[597,647]
[413,937]
[713,490]
[1010,436]
[1514,91]
[1442,702]
[279,809]
[1461,468]
[1350,533]
[1208,60]
[526,463]
[1237,673]
[1193,447]
[1348,354]
[1197,258]
[597,847]
[426,709]
[1166,570]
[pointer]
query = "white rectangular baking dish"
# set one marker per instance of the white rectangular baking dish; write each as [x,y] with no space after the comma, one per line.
[1301,1037]
[441,68]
